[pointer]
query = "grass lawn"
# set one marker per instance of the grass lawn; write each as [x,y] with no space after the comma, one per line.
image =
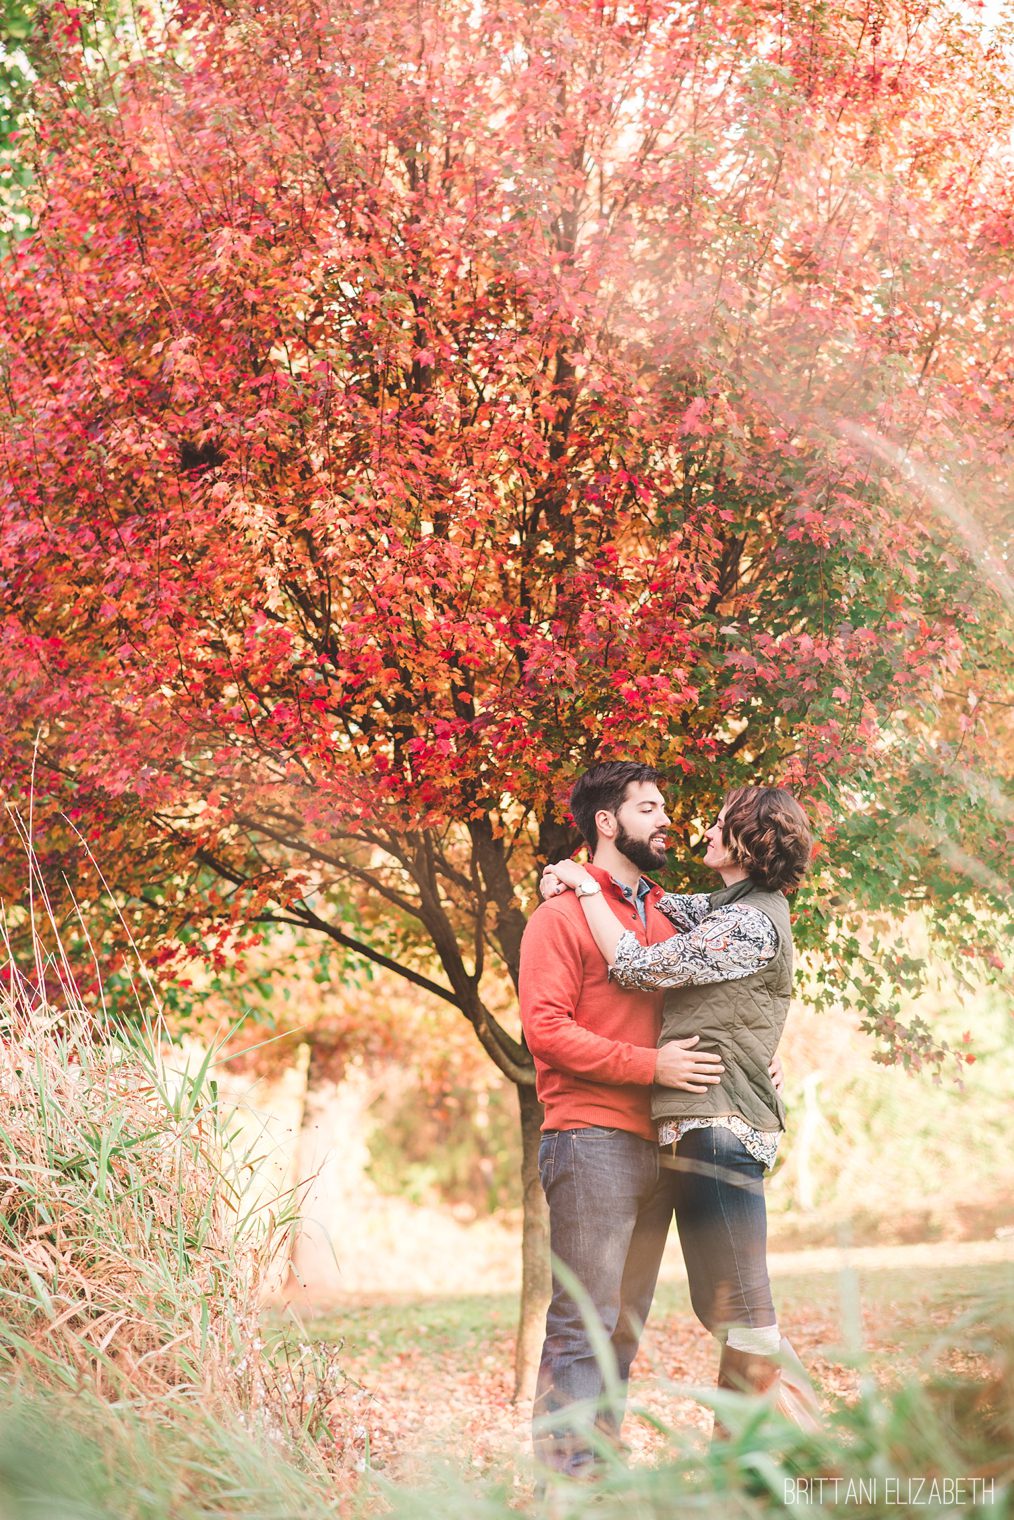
[435,1374]
[915,1302]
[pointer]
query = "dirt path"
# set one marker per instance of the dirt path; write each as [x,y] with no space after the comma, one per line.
[927,1254]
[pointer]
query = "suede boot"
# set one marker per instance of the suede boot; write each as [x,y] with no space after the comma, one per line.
[784,1381]
[796,1398]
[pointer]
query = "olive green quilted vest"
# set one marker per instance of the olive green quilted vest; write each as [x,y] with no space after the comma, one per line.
[742,1021]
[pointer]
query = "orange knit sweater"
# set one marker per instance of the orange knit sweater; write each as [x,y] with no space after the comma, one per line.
[593,1042]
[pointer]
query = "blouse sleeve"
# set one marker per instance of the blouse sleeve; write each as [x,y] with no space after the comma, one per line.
[730,943]
[682,911]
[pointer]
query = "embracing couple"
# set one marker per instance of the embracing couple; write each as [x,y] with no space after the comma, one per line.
[653,1021]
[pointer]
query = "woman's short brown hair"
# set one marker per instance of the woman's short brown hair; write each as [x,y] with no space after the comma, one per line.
[768,834]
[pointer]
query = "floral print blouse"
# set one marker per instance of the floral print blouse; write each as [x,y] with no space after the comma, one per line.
[721,946]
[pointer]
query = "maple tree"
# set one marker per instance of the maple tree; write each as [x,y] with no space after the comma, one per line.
[32,38]
[404,405]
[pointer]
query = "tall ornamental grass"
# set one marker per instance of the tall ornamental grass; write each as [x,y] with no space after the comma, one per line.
[132,1269]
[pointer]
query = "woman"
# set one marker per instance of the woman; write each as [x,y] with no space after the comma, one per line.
[727,973]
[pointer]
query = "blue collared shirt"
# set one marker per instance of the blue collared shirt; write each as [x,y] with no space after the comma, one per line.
[643,891]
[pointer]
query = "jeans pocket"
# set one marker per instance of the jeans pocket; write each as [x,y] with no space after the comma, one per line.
[547,1155]
[594,1132]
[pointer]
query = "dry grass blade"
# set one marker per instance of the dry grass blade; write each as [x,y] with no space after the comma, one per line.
[130,1266]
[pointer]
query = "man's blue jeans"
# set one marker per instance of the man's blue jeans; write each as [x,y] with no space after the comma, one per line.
[609,1211]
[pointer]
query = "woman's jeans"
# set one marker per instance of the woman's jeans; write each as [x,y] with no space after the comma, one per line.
[717,1189]
[609,1211]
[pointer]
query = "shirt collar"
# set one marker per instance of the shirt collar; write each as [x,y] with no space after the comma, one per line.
[645,886]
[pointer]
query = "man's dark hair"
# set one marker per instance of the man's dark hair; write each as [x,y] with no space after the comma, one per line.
[604,786]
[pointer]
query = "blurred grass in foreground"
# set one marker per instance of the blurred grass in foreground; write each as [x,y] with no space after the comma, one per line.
[938,1444]
[75,1457]
[67,1457]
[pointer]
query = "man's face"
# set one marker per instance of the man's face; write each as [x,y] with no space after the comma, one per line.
[641,824]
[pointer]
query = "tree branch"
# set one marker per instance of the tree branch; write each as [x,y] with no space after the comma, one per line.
[306,918]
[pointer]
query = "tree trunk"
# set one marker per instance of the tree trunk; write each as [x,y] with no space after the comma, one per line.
[535,1275]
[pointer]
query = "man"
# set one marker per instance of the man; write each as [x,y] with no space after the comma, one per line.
[594,1046]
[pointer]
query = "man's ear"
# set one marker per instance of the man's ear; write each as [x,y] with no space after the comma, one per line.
[606,824]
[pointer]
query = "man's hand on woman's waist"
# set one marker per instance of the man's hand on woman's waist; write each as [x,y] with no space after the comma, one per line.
[678,1064]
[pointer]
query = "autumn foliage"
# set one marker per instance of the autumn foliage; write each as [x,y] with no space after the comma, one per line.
[405,403]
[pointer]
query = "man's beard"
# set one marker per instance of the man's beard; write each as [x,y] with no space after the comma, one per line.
[638,851]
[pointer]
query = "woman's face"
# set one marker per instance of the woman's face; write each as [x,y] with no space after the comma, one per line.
[716,855]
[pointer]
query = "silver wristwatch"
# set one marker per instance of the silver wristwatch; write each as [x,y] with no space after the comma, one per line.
[587,888]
